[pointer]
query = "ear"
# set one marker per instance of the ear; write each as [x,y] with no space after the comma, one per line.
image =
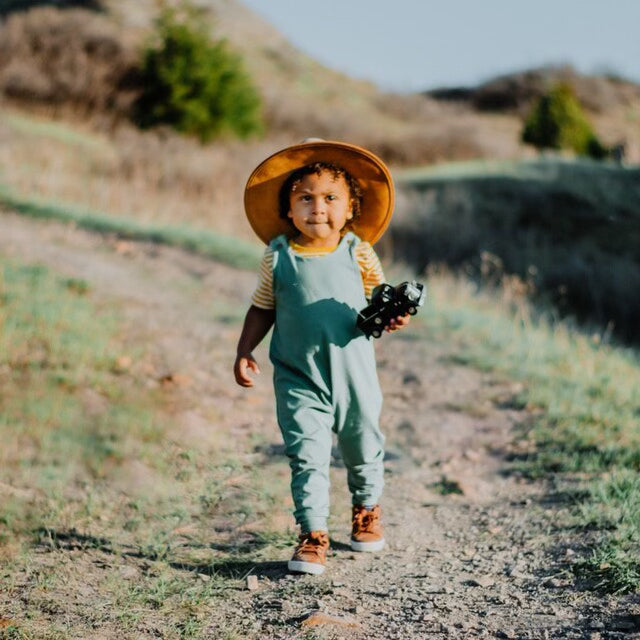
[289,214]
[350,214]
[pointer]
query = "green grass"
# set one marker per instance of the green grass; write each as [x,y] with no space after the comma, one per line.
[570,229]
[64,487]
[58,131]
[582,398]
[55,347]
[232,251]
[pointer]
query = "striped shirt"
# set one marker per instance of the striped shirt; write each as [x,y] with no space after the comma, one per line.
[368,261]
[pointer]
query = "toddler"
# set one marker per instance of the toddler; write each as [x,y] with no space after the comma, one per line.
[320,206]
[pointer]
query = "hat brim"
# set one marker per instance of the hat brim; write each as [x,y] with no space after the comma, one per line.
[261,196]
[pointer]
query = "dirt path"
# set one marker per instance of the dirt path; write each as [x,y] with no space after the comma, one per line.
[469,551]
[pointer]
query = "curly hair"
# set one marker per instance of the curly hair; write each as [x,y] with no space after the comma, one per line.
[289,185]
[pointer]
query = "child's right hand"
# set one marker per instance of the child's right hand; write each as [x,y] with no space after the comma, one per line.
[241,369]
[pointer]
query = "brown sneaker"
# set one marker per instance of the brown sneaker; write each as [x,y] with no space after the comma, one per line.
[367,533]
[311,553]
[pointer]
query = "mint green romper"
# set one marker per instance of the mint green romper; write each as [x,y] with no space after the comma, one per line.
[325,378]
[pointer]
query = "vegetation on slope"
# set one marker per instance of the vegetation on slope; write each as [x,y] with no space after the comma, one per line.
[569,230]
[583,396]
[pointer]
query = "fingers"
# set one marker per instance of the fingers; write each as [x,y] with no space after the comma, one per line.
[253,365]
[398,323]
[241,371]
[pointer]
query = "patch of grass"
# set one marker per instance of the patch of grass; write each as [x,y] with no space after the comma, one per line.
[227,249]
[55,348]
[446,487]
[49,129]
[610,569]
[582,403]
[568,229]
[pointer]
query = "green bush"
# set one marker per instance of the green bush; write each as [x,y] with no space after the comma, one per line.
[558,122]
[193,84]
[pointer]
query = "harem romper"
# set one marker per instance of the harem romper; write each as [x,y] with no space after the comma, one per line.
[325,378]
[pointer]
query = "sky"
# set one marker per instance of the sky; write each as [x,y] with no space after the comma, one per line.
[415,45]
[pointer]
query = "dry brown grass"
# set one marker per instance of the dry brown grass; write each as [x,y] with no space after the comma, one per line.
[71,61]
[157,177]
[76,63]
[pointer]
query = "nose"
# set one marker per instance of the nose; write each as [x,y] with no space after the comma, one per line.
[318,205]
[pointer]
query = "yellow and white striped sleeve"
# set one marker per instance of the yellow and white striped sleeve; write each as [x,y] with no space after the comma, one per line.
[370,267]
[263,295]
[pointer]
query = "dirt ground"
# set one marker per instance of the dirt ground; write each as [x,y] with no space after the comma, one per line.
[474,550]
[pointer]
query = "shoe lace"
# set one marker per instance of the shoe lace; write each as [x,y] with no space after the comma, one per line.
[313,542]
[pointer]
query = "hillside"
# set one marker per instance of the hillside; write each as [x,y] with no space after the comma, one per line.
[569,230]
[68,77]
[94,78]
[141,490]
[144,495]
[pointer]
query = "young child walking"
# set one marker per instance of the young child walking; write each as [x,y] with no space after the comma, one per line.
[320,206]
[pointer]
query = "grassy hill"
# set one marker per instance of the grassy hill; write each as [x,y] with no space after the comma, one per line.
[570,230]
[567,229]
[81,63]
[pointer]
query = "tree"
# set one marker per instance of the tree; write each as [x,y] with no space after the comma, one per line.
[557,121]
[193,84]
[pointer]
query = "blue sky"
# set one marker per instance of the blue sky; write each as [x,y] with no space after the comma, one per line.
[411,45]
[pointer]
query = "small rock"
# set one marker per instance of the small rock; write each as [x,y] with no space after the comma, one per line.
[555,583]
[317,618]
[337,583]
[433,589]
[482,581]
[129,572]
[204,577]
[252,583]
[122,364]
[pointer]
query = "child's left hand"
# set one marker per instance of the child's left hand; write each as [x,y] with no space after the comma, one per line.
[399,322]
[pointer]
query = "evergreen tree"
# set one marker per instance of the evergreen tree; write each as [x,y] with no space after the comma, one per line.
[557,121]
[193,84]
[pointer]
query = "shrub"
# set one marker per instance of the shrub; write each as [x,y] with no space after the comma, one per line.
[193,84]
[557,121]
[72,61]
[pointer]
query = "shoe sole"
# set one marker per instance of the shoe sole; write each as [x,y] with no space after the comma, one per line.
[305,567]
[377,545]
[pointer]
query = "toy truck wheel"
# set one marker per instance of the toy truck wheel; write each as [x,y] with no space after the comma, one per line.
[377,320]
[412,311]
[376,333]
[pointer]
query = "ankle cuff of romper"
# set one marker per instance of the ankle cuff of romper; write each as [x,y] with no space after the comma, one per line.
[313,524]
[363,502]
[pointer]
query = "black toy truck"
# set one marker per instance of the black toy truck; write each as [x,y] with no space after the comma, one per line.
[388,302]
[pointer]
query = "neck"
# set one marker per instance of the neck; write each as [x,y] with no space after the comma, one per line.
[330,242]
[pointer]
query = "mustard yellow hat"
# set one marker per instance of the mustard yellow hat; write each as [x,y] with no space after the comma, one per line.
[261,195]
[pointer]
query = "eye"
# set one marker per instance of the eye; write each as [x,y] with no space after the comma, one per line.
[332,197]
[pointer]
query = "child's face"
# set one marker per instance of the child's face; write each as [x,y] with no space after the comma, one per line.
[320,206]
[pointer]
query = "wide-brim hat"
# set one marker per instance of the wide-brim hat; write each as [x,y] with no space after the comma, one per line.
[261,195]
